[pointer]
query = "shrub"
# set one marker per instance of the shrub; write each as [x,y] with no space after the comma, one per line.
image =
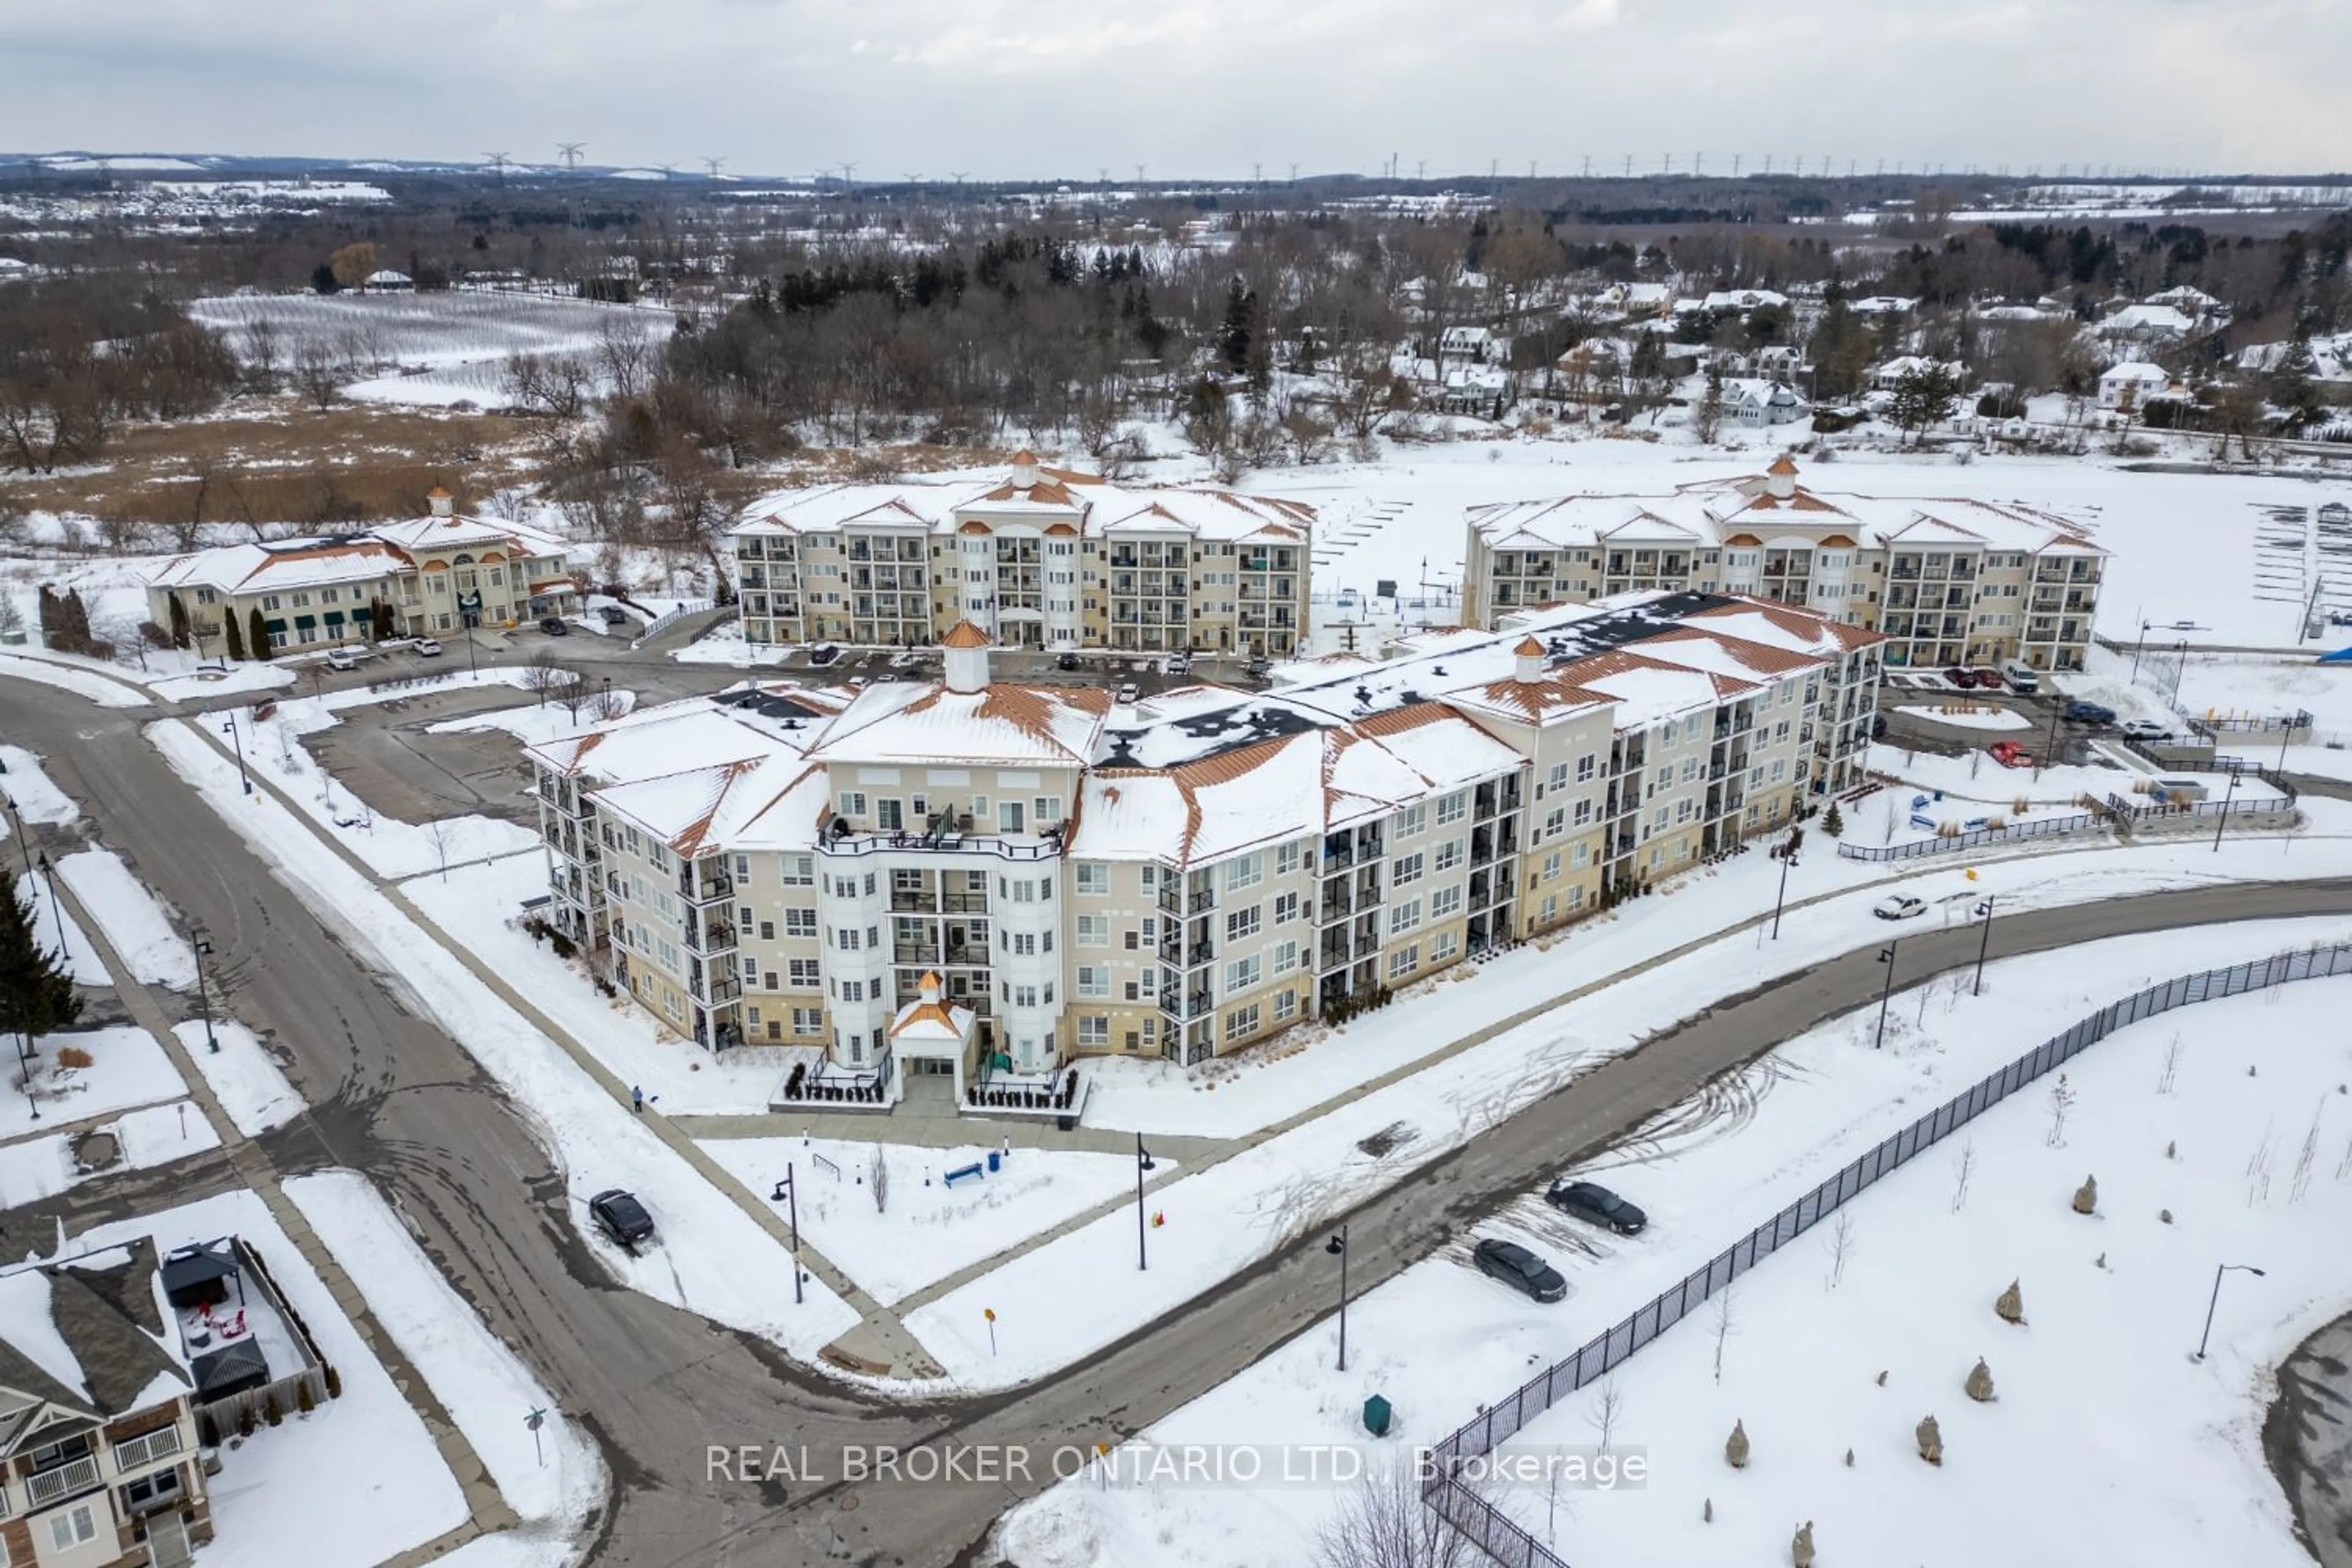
[244,1421]
[304,1400]
[272,1413]
[73,1056]
[334,1381]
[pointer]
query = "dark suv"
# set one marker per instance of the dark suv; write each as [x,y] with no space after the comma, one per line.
[1591,1201]
[1521,1270]
[621,1217]
[554,626]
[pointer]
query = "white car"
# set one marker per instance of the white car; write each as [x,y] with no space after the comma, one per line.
[1899,907]
[2147,730]
[1128,692]
[343,659]
[428,647]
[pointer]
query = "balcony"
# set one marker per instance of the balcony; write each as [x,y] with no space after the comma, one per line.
[914,952]
[1337,905]
[714,936]
[904,901]
[941,841]
[714,884]
[726,988]
[45,1486]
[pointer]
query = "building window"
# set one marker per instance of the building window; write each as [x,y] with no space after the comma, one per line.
[1441,946]
[1404,917]
[1243,972]
[1094,1029]
[1444,901]
[1094,930]
[1413,820]
[1403,962]
[853,804]
[1286,957]
[1241,1021]
[1093,879]
[1240,923]
[1245,872]
[1447,854]
[1286,908]
[1286,859]
[1406,870]
[800,922]
[1094,980]
[801,973]
[1286,1006]
[71,1527]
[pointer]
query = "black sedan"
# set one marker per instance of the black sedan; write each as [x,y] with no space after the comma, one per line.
[1521,1270]
[620,1216]
[1591,1201]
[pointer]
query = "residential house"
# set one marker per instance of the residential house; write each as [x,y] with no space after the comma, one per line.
[97,1427]
[1943,581]
[2129,386]
[1747,401]
[1048,559]
[1886,377]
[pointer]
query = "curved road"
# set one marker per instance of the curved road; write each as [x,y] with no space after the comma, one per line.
[393,1096]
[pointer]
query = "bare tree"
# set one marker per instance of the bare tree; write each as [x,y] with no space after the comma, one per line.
[2172,1052]
[1725,1326]
[1841,1247]
[2062,1100]
[543,675]
[2258,1167]
[317,373]
[1608,1404]
[1962,1164]
[2307,1156]
[877,1177]
[437,830]
[1385,1523]
[608,705]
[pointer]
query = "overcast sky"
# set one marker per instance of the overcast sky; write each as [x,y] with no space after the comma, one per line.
[1039,88]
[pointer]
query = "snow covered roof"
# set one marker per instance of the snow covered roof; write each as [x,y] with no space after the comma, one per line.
[328,560]
[87,1334]
[999,725]
[829,508]
[432,535]
[2156,321]
[2137,372]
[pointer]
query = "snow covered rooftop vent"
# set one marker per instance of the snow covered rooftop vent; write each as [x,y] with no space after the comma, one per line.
[440,500]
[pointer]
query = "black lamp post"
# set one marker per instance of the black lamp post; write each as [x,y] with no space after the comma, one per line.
[1984,943]
[1887,957]
[788,1190]
[1337,1248]
[1142,1164]
[237,740]
[57,908]
[25,1065]
[17,826]
[2137,645]
[1786,862]
[2227,797]
[204,1002]
[2209,1305]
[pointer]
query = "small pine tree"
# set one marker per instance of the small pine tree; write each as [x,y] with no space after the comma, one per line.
[245,1422]
[179,622]
[235,637]
[271,1412]
[334,1381]
[1833,822]
[304,1400]
[380,614]
[258,634]
[36,988]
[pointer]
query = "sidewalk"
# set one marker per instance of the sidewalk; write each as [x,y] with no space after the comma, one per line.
[489,1512]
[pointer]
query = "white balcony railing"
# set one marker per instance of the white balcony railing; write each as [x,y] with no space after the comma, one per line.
[45,1486]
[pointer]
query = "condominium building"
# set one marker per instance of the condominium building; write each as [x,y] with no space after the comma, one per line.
[970,875]
[1946,581]
[1047,559]
[417,577]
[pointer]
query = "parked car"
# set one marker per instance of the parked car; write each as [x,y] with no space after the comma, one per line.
[620,1216]
[1521,1270]
[1129,691]
[554,625]
[1261,668]
[2009,754]
[2082,713]
[343,659]
[428,647]
[823,654]
[1179,664]
[1591,1201]
[1066,661]
[1960,678]
[612,615]
[2147,729]
[2022,676]
[1987,679]
[1899,907]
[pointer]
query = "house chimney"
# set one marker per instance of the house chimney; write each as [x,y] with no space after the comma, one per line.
[1780,478]
[966,657]
[439,500]
[1530,667]
[1025,470]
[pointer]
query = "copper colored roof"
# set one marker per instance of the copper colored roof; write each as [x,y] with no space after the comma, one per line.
[1528,648]
[964,634]
[1783,464]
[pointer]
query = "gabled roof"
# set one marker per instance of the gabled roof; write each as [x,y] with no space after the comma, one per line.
[998,725]
[89,1334]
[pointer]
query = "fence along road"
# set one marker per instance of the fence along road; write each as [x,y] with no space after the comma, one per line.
[1504,1540]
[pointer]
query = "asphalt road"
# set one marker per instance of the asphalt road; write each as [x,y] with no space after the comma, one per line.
[393,1096]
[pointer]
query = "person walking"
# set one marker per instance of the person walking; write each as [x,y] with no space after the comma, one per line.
[637,1099]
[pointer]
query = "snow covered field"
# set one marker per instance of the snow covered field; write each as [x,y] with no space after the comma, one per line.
[1913,1298]
[42,1166]
[1960,716]
[28,789]
[244,1078]
[126,1069]
[531,724]
[712,1258]
[930,1230]
[556,1479]
[133,922]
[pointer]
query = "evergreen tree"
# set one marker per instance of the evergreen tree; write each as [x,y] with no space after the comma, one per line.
[1833,824]
[36,990]
[2289,385]
[235,637]
[179,622]
[1708,419]
[1233,338]
[257,634]
[380,620]
[1922,395]
[1840,351]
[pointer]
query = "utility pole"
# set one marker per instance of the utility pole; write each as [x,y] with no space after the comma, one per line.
[570,152]
[497,161]
[714,165]
[1337,1248]
[1142,1167]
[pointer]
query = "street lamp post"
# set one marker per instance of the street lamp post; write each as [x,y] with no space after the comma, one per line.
[473,665]
[2137,647]
[17,826]
[2216,1300]
[1786,862]
[57,908]
[237,740]
[1984,943]
[1142,1166]
[204,1002]
[24,1066]
[789,1190]
[1337,1248]
[2227,797]
[1887,957]
[2180,664]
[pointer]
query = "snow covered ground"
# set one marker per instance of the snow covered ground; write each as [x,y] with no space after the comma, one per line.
[43,1166]
[2113,1304]
[249,1085]
[30,789]
[1961,715]
[354,1483]
[126,1069]
[487,1391]
[930,1230]
[713,1258]
[98,688]
[480,905]
[531,724]
[52,926]
[135,925]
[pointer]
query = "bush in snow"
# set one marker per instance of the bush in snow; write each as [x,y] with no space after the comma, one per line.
[1800,1548]
[1735,1448]
[1979,1384]
[2011,1304]
[1931,1441]
[2086,1196]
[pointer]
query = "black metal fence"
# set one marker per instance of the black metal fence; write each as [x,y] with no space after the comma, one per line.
[1496,1533]
[2044,827]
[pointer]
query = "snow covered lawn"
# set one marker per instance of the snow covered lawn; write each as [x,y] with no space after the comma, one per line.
[1962,717]
[33,1168]
[127,1067]
[244,1078]
[135,923]
[479,1381]
[245,675]
[49,919]
[1914,1298]
[532,724]
[479,906]
[28,788]
[930,1230]
[712,1258]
